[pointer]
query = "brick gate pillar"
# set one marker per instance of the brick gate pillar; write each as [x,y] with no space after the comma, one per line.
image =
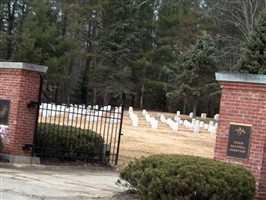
[19,85]
[241,133]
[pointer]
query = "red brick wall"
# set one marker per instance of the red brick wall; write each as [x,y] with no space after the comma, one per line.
[244,103]
[21,87]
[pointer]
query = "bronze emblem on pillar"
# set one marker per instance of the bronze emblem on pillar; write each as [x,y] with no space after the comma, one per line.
[240,131]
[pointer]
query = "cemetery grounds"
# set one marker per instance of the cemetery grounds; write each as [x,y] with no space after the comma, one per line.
[145,140]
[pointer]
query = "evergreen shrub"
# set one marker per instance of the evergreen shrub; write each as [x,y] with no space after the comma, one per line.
[169,177]
[67,142]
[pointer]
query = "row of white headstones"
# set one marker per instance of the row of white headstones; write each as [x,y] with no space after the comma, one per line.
[91,113]
[194,125]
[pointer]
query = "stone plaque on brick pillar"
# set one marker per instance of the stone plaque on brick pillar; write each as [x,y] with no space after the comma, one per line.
[19,85]
[239,140]
[243,113]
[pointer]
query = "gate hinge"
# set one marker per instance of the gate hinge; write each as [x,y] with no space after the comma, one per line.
[33,104]
[27,147]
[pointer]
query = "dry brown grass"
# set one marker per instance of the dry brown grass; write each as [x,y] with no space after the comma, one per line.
[143,140]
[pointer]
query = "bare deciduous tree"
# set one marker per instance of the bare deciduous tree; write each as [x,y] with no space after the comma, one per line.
[235,20]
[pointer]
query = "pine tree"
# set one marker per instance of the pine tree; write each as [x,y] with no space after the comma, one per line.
[41,42]
[82,21]
[116,49]
[196,72]
[80,94]
[164,50]
[253,59]
[160,28]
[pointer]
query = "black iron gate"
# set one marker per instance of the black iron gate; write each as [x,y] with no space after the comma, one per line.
[75,132]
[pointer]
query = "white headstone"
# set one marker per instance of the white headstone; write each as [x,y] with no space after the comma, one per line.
[216,117]
[95,107]
[201,124]
[144,112]
[175,126]
[196,129]
[113,119]
[213,130]
[154,123]
[177,118]
[162,118]
[148,117]
[135,121]
[196,126]
[210,126]
[187,124]
[203,115]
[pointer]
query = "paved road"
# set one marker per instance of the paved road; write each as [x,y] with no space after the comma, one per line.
[56,183]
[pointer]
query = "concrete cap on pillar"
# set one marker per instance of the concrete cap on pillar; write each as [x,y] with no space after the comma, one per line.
[243,78]
[25,66]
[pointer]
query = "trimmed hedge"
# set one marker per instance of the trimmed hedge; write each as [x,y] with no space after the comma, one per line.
[170,177]
[66,142]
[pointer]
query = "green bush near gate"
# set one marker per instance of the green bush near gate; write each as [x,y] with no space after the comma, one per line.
[68,143]
[180,177]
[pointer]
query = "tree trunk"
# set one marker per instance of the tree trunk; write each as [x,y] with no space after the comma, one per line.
[184,106]
[94,97]
[106,98]
[141,97]
[11,18]
[195,102]
[133,96]
[56,93]
[170,106]
[210,109]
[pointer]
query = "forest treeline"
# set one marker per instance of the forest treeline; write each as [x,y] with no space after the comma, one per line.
[162,53]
